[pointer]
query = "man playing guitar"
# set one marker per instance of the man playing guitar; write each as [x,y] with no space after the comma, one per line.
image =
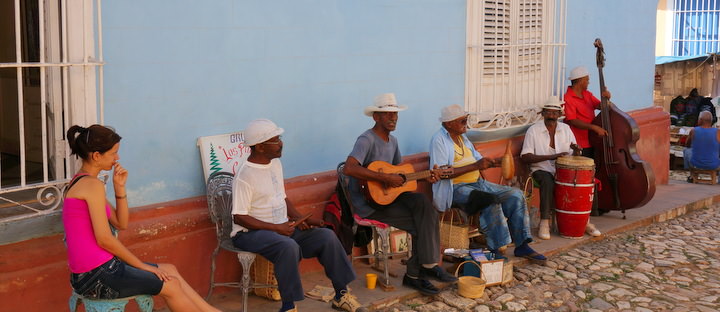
[411,212]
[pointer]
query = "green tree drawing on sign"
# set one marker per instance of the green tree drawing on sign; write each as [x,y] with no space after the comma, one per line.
[214,163]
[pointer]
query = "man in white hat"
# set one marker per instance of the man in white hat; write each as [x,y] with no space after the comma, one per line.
[264,222]
[580,106]
[411,212]
[467,189]
[545,141]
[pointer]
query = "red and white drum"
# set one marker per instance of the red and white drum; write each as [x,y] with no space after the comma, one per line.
[574,191]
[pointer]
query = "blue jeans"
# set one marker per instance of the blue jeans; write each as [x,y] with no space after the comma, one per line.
[285,253]
[687,154]
[115,279]
[499,232]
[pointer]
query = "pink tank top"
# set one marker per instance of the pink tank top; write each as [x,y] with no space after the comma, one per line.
[84,254]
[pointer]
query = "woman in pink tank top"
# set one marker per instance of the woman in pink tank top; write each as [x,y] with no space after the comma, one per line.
[101,266]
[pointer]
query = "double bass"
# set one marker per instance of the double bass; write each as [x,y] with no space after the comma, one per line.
[616,158]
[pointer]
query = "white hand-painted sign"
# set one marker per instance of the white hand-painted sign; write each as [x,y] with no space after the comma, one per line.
[222,153]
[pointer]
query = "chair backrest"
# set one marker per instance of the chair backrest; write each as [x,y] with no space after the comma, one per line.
[219,193]
[342,178]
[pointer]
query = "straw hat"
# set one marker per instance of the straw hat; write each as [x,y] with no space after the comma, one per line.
[384,103]
[552,103]
[451,113]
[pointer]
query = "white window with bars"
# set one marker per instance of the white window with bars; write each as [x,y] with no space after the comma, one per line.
[50,78]
[695,27]
[514,59]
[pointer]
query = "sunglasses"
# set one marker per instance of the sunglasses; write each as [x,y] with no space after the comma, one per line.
[273,142]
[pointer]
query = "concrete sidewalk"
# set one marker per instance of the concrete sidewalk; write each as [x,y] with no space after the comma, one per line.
[670,201]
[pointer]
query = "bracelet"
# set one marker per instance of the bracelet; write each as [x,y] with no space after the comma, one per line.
[121,197]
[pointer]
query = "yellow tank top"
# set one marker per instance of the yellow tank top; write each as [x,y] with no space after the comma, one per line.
[463,157]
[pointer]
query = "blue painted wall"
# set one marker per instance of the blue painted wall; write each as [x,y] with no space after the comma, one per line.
[178,70]
[627,30]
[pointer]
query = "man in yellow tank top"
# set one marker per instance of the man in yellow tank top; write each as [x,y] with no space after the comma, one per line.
[505,219]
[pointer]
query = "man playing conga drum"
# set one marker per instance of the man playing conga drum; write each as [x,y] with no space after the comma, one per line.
[545,141]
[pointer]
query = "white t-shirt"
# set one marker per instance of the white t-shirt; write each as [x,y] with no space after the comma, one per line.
[259,191]
[537,141]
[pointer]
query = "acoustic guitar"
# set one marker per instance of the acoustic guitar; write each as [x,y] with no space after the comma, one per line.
[384,195]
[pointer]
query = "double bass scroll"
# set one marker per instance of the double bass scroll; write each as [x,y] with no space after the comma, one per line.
[616,156]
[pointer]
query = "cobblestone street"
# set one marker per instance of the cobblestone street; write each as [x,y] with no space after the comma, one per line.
[669,266]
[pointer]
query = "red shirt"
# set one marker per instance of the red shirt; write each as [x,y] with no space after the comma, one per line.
[582,108]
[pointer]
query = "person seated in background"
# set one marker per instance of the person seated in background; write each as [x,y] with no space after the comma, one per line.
[696,104]
[260,211]
[703,145]
[545,141]
[451,147]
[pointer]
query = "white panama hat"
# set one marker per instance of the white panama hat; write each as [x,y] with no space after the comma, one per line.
[451,113]
[385,102]
[552,103]
[261,130]
[578,72]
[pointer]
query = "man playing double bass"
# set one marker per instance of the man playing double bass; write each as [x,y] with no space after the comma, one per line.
[580,106]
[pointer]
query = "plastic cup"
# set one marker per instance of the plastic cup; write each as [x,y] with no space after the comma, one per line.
[371,279]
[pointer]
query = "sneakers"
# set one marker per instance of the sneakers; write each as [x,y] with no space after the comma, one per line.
[544,231]
[592,230]
[348,303]
[438,273]
[423,286]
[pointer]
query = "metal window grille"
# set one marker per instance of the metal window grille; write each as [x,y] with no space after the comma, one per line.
[695,27]
[52,80]
[515,52]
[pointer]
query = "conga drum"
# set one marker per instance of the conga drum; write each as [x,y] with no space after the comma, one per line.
[574,191]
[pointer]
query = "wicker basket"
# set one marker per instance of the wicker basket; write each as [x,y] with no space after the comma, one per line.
[263,272]
[453,235]
[470,286]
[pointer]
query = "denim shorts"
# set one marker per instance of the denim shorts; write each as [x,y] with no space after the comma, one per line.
[115,279]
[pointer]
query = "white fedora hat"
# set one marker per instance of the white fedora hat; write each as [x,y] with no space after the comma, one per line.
[552,103]
[451,113]
[261,130]
[384,103]
[578,72]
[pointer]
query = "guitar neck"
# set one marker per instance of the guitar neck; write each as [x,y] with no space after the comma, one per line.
[417,175]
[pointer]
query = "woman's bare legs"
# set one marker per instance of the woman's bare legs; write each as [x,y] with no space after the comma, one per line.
[188,292]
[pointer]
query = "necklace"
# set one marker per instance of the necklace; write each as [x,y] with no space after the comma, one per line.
[462,148]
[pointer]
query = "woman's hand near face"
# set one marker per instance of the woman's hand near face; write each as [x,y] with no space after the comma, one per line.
[119,175]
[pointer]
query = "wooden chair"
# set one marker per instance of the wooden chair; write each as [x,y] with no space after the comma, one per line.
[381,236]
[219,192]
[695,174]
